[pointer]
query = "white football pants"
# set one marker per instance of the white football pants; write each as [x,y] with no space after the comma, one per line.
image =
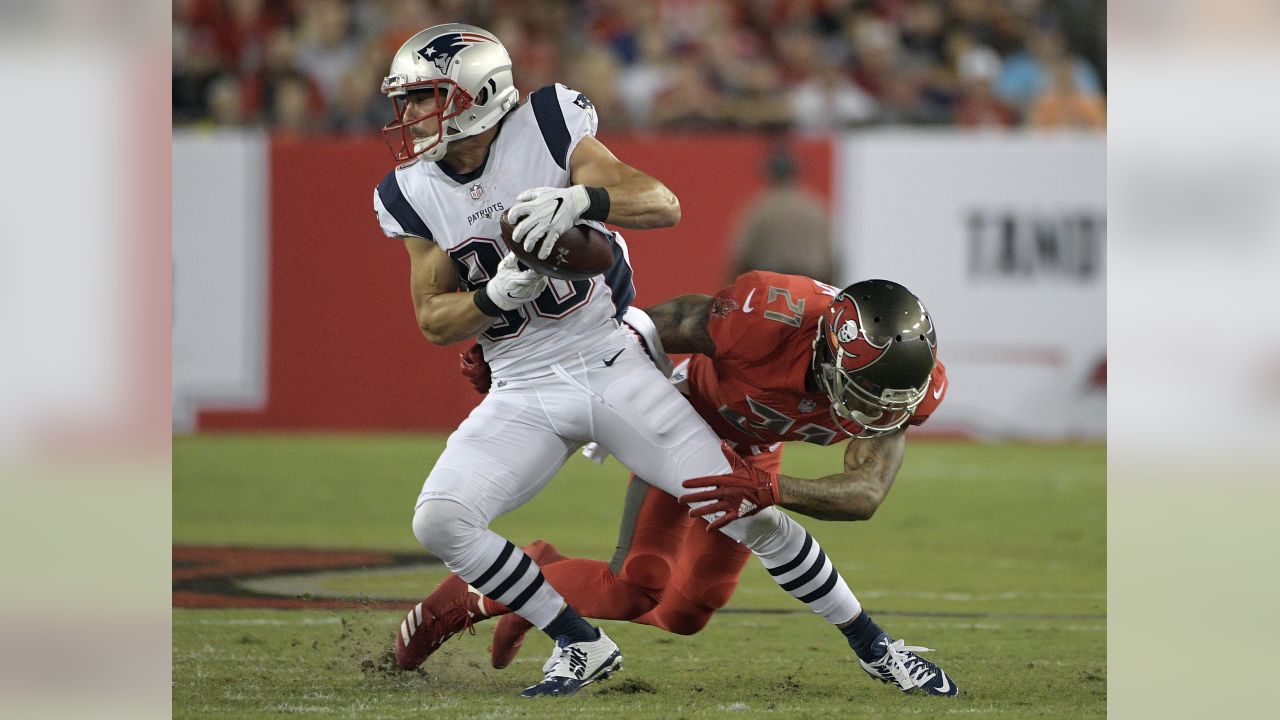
[511,445]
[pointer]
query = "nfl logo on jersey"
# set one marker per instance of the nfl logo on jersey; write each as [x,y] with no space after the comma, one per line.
[477,192]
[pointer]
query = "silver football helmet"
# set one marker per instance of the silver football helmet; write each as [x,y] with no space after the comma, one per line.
[469,73]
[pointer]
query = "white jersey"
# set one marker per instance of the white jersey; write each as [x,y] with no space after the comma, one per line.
[460,213]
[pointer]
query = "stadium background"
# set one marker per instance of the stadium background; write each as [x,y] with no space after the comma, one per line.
[925,127]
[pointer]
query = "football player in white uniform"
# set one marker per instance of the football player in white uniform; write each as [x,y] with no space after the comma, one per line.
[565,370]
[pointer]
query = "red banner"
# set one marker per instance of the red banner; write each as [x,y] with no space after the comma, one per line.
[345,352]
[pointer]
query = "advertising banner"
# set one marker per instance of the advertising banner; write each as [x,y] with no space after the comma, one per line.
[1004,238]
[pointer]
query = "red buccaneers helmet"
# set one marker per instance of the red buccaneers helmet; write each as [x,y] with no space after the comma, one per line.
[873,355]
[469,72]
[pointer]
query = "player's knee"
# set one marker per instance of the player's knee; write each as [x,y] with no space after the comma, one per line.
[648,572]
[685,620]
[443,527]
[543,552]
[713,596]
[688,610]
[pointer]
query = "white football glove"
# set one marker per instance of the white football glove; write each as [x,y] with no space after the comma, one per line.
[547,213]
[512,287]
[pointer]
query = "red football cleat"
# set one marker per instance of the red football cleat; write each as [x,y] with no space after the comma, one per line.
[452,608]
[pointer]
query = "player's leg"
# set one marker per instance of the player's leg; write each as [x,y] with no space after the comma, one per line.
[656,533]
[454,606]
[653,530]
[809,576]
[705,577]
[471,483]
[707,564]
[481,475]
[651,429]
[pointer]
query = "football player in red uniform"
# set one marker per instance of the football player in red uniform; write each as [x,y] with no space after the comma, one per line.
[773,358]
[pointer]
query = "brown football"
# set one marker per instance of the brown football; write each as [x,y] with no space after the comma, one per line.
[582,252]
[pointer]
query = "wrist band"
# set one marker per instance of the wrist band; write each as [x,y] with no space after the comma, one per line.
[597,204]
[486,303]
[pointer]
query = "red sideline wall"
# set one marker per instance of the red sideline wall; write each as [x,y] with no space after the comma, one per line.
[344,350]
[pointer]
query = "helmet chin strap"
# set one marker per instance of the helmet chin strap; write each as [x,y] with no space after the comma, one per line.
[435,153]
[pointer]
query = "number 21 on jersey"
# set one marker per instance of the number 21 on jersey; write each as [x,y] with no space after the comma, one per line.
[790,311]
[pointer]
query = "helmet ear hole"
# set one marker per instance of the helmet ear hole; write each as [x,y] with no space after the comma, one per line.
[486,92]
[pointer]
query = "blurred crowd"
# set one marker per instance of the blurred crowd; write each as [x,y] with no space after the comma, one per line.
[315,66]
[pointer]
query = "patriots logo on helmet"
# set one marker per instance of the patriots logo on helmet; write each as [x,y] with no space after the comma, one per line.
[442,48]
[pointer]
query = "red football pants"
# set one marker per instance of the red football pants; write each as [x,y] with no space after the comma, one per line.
[674,574]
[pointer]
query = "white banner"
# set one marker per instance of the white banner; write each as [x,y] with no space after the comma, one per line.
[1004,239]
[219,273]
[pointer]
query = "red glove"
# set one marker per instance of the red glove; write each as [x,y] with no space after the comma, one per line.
[475,369]
[745,491]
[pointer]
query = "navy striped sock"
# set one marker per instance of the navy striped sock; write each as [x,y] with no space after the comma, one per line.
[862,633]
[571,625]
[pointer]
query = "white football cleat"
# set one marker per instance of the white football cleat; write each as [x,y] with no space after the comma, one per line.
[572,666]
[900,665]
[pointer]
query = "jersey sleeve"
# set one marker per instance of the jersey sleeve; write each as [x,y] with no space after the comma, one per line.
[564,116]
[759,313]
[933,396]
[396,216]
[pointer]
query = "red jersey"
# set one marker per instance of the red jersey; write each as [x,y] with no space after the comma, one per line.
[754,391]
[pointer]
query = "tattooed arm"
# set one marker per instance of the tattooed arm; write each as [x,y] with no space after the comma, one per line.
[870,465]
[682,325]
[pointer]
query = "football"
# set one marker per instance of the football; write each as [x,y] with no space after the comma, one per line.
[582,252]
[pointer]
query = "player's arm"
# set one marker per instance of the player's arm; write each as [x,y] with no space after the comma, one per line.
[445,315]
[601,187]
[682,325]
[870,466]
[631,198]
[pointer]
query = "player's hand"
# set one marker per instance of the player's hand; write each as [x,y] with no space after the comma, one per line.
[745,491]
[512,287]
[544,213]
[475,369]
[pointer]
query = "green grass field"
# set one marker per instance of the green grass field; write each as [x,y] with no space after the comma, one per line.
[993,555]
